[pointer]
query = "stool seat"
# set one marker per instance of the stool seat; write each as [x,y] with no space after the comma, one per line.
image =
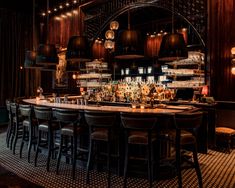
[44,126]
[69,130]
[225,134]
[100,134]
[186,137]
[225,130]
[139,137]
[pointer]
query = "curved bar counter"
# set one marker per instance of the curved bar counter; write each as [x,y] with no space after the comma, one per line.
[168,110]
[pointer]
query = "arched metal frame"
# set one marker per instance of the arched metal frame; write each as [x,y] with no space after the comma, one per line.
[143,5]
[136,5]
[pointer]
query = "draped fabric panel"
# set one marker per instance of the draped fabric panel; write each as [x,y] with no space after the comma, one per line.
[62,27]
[221,38]
[14,40]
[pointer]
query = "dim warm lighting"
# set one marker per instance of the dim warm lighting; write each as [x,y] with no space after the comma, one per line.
[43,14]
[67,4]
[55,9]
[21,67]
[63,16]
[74,1]
[69,14]
[57,18]
[108,44]
[48,11]
[109,34]
[204,91]
[233,50]
[233,70]
[60,6]
[114,25]
[75,12]
[74,76]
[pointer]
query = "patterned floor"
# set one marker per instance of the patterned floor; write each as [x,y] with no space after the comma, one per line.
[217,171]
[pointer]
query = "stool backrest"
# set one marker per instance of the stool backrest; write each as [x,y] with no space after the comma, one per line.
[190,120]
[14,108]
[137,121]
[100,119]
[8,105]
[43,113]
[66,115]
[25,110]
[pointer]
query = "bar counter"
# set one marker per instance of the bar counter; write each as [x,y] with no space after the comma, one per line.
[167,110]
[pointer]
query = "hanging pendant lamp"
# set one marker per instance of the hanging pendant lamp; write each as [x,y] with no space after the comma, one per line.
[46,53]
[77,49]
[173,46]
[129,44]
[30,60]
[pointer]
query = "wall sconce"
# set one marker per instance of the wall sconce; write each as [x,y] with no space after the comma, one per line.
[233,60]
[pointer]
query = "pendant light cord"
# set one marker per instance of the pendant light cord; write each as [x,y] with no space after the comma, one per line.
[47,27]
[172,9]
[128,20]
[34,46]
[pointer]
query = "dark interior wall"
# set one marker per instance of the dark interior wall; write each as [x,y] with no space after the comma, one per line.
[15,32]
[221,37]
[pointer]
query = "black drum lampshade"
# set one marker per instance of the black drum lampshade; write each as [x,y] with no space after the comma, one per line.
[77,51]
[173,48]
[47,55]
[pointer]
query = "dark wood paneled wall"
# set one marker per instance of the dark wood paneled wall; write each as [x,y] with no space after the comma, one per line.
[221,37]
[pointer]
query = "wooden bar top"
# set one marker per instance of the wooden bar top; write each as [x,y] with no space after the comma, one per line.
[169,109]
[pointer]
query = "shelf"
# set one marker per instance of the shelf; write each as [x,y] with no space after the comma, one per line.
[94,76]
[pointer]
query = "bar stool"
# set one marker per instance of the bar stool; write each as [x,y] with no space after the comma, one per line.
[100,127]
[70,127]
[29,128]
[139,130]
[46,124]
[186,125]
[17,122]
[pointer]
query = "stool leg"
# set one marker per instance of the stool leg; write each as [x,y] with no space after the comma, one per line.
[15,139]
[89,161]
[30,142]
[108,161]
[229,143]
[59,154]
[9,131]
[37,148]
[12,135]
[197,167]
[149,153]
[178,160]
[126,161]
[50,145]
[74,155]
[22,141]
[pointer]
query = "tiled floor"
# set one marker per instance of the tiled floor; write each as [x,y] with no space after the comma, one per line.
[217,171]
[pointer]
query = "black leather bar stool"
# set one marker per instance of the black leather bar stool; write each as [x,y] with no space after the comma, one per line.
[46,124]
[29,128]
[100,127]
[17,122]
[70,127]
[139,130]
[186,125]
